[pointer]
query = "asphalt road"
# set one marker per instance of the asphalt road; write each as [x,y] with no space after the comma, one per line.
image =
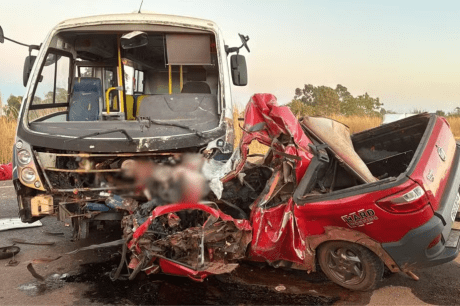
[82,278]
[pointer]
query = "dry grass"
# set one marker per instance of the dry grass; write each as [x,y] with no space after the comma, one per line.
[358,123]
[454,125]
[8,132]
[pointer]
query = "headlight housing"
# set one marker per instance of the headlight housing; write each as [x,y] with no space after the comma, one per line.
[24,157]
[28,175]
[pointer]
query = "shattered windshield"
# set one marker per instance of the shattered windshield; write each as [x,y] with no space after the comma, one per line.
[170,79]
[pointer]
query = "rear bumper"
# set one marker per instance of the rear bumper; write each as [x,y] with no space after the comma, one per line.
[412,250]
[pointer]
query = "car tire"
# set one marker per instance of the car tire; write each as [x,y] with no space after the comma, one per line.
[350,265]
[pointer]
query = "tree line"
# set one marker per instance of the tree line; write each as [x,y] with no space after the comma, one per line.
[310,100]
[325,101]
[13,103]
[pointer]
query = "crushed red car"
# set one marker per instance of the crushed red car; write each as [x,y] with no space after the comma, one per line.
[350,203]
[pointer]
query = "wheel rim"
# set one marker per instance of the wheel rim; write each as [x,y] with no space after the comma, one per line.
[345,265]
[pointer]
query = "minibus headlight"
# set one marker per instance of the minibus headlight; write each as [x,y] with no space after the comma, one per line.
[28,175]
[24,157]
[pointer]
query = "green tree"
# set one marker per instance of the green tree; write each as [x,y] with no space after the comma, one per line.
[325,101]
[343,93]
[363,105]
[61,97]
[440,113]
[13,106]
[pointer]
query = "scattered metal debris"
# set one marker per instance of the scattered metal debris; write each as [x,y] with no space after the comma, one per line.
[44,260]
[13,223]
[22,241]
[34,273]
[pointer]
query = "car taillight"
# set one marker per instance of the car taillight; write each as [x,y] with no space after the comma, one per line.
[404,202]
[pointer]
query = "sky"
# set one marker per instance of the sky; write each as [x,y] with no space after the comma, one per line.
[405,52]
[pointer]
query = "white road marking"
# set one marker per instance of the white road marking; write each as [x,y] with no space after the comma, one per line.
[6,186]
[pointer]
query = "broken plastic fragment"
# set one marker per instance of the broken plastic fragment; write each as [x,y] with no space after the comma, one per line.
[280,288]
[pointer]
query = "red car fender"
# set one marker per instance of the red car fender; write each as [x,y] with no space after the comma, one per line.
[333,233]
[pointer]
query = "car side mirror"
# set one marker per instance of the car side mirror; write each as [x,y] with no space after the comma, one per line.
[239,70]
[28,64]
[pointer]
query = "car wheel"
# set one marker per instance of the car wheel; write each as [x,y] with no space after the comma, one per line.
[350,265]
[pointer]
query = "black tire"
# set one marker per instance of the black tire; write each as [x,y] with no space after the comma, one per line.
[350,265]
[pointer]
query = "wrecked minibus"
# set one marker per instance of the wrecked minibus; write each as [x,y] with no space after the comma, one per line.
[106,90]
[161,162]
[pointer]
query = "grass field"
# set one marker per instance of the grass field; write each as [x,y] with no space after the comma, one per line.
[454,126]
[355,123]
[8,130]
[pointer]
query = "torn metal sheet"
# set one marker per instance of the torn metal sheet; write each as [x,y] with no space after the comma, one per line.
[34,273]
[206,247]
[13,223]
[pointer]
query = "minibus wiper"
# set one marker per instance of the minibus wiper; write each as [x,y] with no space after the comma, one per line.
[130,139]
[158,122]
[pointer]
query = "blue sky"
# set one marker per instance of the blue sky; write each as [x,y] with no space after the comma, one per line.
[404,52]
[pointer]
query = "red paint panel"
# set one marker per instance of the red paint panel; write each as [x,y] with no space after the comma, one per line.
[388,227]
[431,171]
[275,235]
[172,268]
[269,121]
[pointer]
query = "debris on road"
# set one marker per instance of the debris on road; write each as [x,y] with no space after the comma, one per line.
[412,275]
[97,246]
[54,233]
[34,273]
[45,260]
[22,241]
[12,263]
[280,288]
[9,251]
[13,223]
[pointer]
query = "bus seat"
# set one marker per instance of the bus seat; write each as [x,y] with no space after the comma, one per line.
[86,100]
[138,103]
[130,107]
[196,87]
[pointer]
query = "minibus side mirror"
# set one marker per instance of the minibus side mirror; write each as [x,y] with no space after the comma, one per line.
[239,70]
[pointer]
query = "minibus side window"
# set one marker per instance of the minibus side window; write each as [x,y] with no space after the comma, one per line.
[52,91]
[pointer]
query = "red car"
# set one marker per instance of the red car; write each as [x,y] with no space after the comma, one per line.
[353,204]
